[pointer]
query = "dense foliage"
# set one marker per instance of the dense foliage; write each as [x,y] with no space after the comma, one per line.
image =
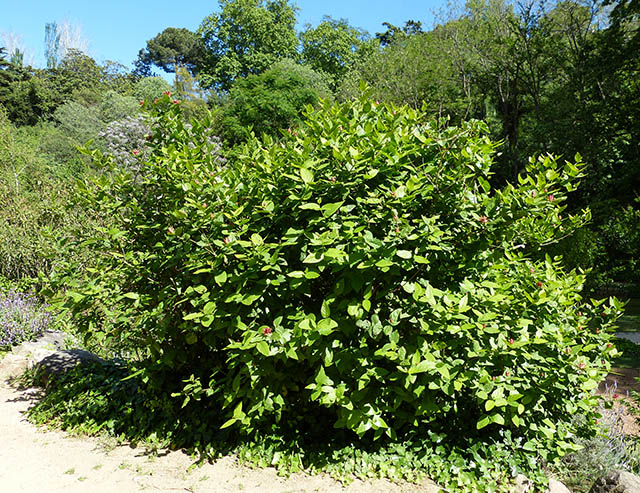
[363,272]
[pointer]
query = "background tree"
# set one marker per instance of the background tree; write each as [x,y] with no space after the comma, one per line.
[393,33]
[246,37]
[171,49]
[334,46]
[271,101]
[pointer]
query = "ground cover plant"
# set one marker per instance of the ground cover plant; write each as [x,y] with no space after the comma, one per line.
[360,273]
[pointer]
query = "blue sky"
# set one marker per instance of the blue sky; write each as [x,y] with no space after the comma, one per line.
[117,29]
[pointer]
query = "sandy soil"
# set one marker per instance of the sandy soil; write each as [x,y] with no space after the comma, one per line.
[33,460]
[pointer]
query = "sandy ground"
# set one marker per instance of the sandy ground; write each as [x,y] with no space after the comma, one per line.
[33,460]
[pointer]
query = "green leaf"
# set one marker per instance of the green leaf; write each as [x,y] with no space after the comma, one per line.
[228,423]
[306,175]
[326,326]
[263,348]
[404,254]
[221,278]
[313,258]
[483,421]
[310,206]
[329,210]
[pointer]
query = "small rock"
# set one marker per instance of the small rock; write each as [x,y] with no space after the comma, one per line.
[62,361]
[556,486]
[617,481]
[522,484]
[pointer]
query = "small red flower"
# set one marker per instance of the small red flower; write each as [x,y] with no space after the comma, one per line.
[551,198]
[493,378]
[567,350]
[227,240]
[483,219]
[168,93]
[506,373]
[267,331]
[542,374]
[175,101]
[142,102]
[609,346]
[581,365]
[597,331]
[397,230]
[539,284]
[615,396]
[511,341]
[332,179]
[170,230]
[393,194]
[136,152]
[484,326]
[149,137]
[533,193]
[531,270]
[579,314]
[155,100]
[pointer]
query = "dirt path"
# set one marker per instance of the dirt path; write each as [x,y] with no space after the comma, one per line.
[33,461]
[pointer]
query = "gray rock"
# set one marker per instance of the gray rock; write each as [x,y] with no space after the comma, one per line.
[617,482]
[62,361]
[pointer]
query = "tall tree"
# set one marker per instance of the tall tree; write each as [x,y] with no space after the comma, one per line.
[334,46]
[172,49]
[246,37]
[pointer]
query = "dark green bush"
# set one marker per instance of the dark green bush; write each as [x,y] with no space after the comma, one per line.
[361,273]
[271,101]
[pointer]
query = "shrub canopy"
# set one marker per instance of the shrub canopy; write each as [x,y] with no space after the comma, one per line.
[363,270]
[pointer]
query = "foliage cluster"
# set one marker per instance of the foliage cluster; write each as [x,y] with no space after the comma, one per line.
[361,273]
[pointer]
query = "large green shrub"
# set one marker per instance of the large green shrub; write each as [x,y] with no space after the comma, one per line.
[362,272]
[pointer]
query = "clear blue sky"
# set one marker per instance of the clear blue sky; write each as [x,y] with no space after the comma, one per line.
[117,29]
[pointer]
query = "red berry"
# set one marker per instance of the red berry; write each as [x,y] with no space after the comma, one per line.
[615,396]
[539,284]
[511,340]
